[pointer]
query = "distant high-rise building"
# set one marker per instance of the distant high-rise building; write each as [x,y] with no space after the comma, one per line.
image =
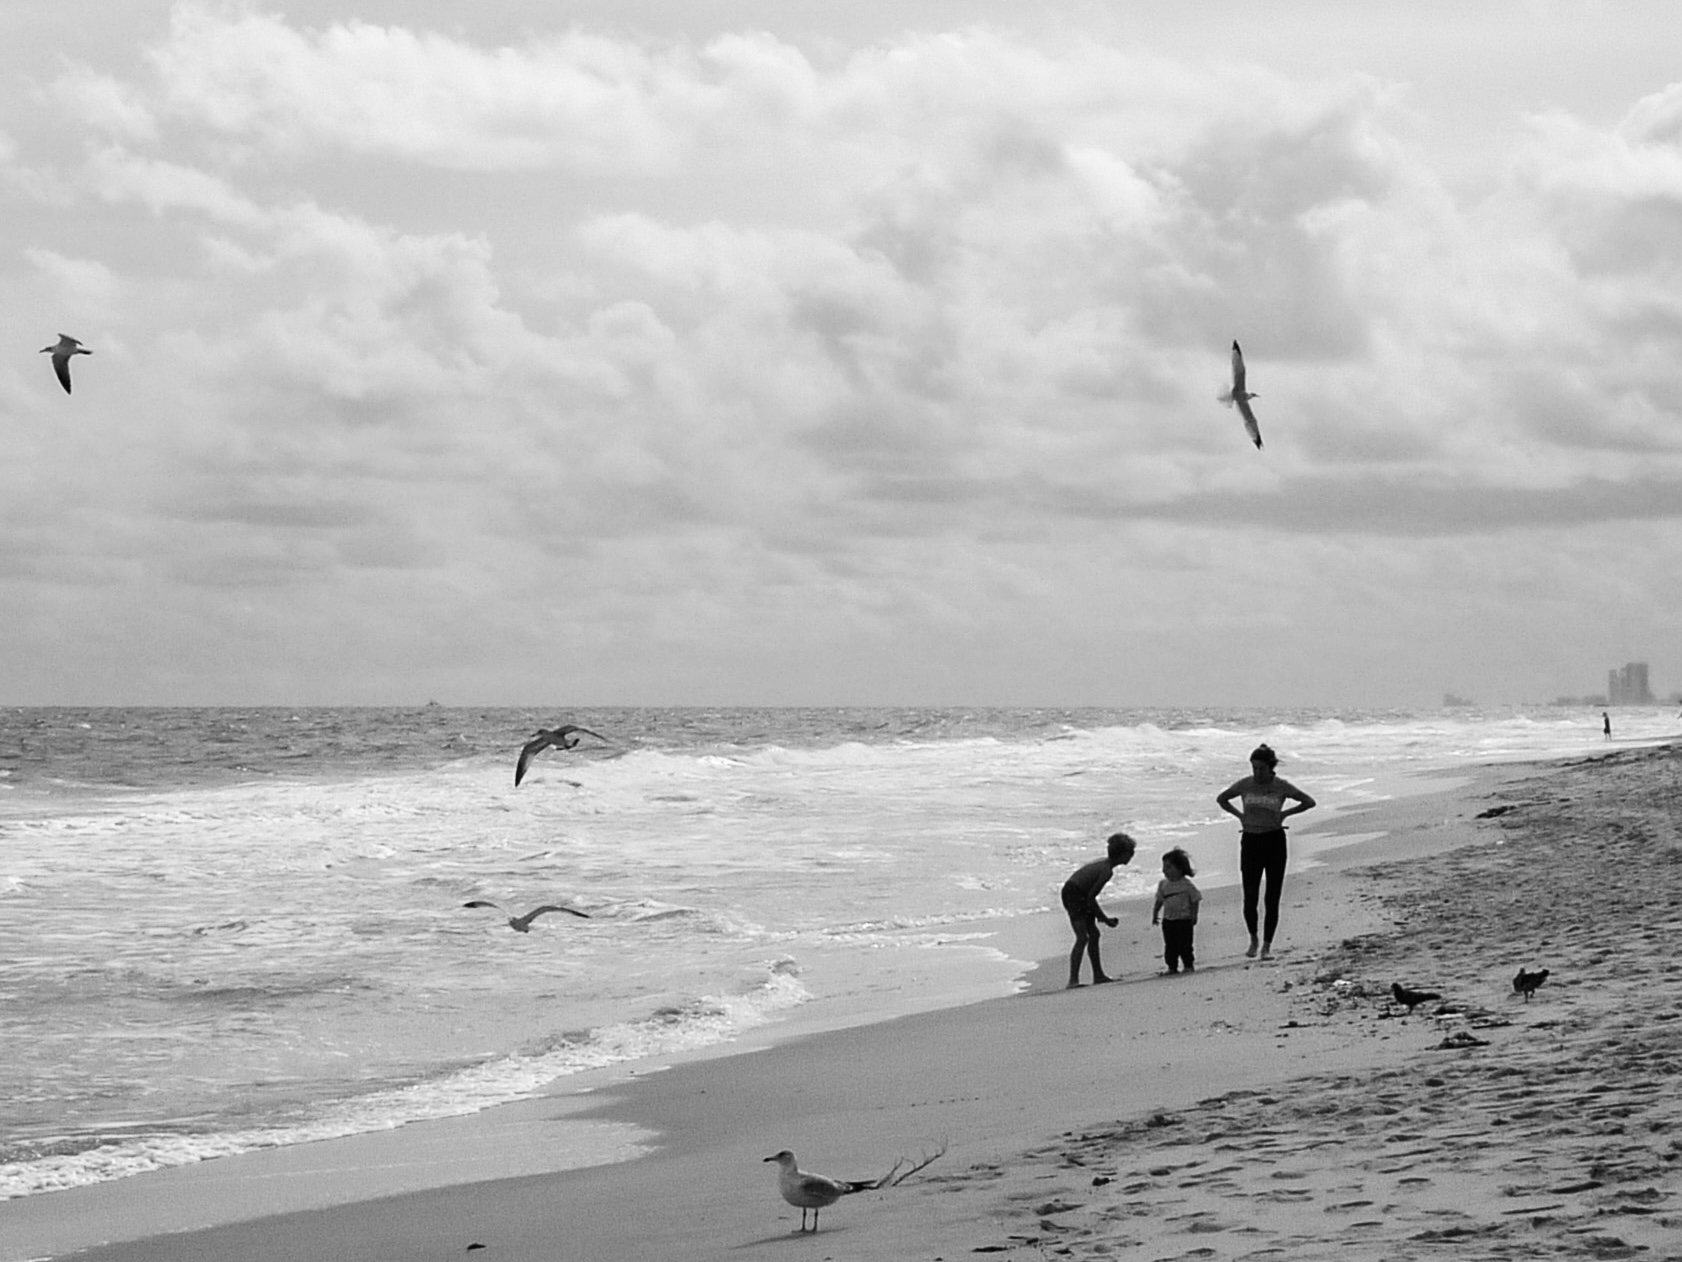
[1628,685]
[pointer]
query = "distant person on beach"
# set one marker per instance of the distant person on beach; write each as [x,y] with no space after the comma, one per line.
[1080,900]
[1261,846]
[1176,910]
[1606,724]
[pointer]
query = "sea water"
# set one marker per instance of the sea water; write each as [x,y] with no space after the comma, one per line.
[224,930]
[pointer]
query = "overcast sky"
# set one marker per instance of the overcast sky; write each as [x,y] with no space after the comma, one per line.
[717,352]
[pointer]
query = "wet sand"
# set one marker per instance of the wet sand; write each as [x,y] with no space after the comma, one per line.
[1253,1110]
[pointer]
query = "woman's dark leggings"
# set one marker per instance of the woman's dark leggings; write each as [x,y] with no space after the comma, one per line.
[1259,855]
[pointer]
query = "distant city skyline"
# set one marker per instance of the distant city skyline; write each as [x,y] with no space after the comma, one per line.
[1626,685]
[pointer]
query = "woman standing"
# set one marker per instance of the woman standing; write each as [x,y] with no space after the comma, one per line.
[1261,847]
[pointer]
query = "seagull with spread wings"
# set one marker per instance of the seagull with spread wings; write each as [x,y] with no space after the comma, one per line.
[522,924]
[562,737]
[61,351]
[1239,395]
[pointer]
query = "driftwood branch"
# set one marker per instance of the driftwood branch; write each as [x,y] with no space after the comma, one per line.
[903,1167]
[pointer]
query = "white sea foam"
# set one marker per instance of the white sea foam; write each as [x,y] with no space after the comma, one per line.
[672,1030]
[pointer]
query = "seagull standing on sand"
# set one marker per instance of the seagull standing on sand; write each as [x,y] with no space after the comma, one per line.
[522,924]
[1525,983]
[561,737]
[807,1191]
[61,351]
[1239,395]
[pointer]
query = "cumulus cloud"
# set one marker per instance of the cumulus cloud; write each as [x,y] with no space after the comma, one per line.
[1030,258]
[877,332]
[576,99]
[105,103]
[83,287]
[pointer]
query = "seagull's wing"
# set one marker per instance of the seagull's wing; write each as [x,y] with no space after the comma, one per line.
[810,1191]
[1237,371]
[1250,426]
[535,912]
[534,746]
[61,366]
[814,1190]
[567,728]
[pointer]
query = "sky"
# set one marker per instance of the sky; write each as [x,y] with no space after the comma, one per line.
[725,352]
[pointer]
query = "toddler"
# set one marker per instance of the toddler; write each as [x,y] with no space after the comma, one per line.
[1176,910]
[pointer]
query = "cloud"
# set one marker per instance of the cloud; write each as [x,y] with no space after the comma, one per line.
[164,187]
[581,100]
[84,288]
[743,340]
[105,103]
[1031,259]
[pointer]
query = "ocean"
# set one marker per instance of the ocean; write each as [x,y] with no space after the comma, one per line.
[224,930]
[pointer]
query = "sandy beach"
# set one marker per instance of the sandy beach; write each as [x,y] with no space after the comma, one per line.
[1288,1108]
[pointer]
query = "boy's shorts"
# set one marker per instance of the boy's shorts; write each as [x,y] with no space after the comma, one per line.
[1079,907]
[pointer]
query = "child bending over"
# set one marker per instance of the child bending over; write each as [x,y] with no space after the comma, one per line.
[1080,900]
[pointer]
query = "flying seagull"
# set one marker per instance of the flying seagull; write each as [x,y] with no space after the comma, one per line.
[1239,395]
[1412,998]
[1525,983]
[522,924]
[807,1191]
[561,737]
[62,350]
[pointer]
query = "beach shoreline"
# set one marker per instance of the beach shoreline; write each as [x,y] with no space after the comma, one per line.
[985,1082]
[976,960]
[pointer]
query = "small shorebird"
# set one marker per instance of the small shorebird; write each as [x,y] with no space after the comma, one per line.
[561,737]
[522,924]
[61,351]
[1239,395]
[1525,983]
[807,1191]
[1412,998]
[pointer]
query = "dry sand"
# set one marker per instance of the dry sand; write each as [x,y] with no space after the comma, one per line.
[1286,1109]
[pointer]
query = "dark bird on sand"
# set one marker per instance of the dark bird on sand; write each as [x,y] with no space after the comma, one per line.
[1239,395]
[1411,998]
[61,351]
[1525,983]
[522,924]
[807,1191]
[562,737]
